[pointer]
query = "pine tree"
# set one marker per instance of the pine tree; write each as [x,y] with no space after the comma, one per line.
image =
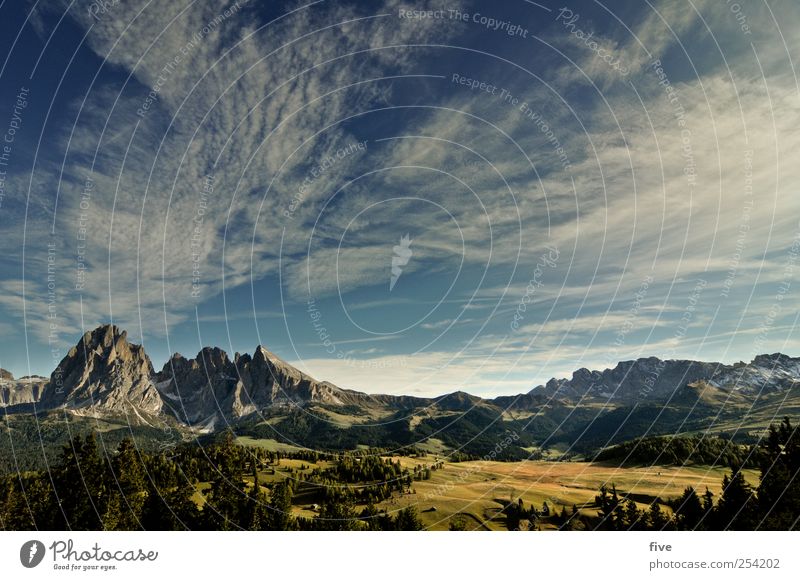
[127,490]
[226,504]
[337,514]
[688,510]
[279,514]
[609,508]
[80,483]
[257,511]
[708,501]
[779,487]
[27,502]
[737,508]
[169,505]
[369,515]
[408,520]
[656,519]
[633,518]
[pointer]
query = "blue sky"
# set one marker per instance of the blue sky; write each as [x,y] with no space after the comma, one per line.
[579,183]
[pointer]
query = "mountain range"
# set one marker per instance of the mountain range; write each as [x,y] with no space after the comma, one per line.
[105,377]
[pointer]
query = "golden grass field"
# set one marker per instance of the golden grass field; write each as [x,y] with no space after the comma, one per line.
[473,488]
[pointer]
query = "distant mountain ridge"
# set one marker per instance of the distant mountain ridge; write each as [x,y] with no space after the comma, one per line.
[653,378]
[104,374]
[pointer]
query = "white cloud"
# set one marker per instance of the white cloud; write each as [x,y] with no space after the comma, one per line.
[249,105]
[233,99]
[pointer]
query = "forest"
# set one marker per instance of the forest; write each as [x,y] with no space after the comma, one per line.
[223,486]
[676,451]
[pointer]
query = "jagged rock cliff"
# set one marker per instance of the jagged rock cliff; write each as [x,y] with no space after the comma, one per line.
[212,388]
[104,373]
[22,391]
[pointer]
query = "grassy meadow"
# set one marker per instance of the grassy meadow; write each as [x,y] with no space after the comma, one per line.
[477,489]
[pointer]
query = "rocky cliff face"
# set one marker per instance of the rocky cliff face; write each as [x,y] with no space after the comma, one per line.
[211,388]
[196,390]
[104,373]
[22,391]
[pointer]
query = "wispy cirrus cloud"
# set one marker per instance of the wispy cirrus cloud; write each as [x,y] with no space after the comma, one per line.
[246,167]
[195,93]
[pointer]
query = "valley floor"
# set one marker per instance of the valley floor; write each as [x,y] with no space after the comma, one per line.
[478,489]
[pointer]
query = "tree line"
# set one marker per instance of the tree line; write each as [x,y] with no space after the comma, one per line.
[678,450]
[774,504]
[213,487]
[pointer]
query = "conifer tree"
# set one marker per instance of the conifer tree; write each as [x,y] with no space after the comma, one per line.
[633,518]
[779,487]
[127,489]
[80,482]
[688,510]
[227,500]
[369,515]
[737,509]
[408,520]
[609,508]
[657,519]
[279,514]
[337,514]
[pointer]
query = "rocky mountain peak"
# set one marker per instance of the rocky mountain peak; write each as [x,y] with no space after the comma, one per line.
[214,356]
[764,374]
[103,371]
[211,388]
[628,381]
[655,379]
[775,359]
[261,354]
[108,346]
